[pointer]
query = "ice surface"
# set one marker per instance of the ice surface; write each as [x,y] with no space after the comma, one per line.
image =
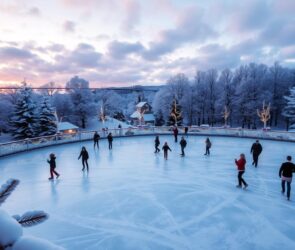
[32,243]
[134,199]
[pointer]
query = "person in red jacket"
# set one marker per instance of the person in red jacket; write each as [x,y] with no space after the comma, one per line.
[241,170]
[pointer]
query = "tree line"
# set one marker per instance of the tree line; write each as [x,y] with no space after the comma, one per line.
[201,100]
[241,92]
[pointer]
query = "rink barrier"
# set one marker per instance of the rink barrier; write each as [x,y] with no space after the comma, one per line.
[58,139]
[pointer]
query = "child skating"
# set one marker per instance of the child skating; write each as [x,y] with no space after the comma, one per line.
[52,165]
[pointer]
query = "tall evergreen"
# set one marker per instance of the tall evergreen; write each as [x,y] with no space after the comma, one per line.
[47,120]
[24,120]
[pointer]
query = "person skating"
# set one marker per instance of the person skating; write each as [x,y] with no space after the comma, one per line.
[241,170]
[208,146]
[157,144]
[175,133]
[256,150]
[85,156]
[185,131]
[110,140]
[96,138]
[165,148]
[52,165]
[286,173]
[182,145]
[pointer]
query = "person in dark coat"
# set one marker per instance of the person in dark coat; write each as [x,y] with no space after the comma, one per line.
[165,148]
[52,165]
[241,170]
[157,144]
[110,140]
[175,133]
[286,174]
[182,145]
[96,138]
[208,146]
[85,156]
[256,150]
[186,130]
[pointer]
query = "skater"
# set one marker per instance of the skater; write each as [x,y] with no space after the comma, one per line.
[165,148]
[208,146]
[241,170]
[185,131]
[182,145]
[96,138]
[110,140]
[175,133]
[256,150]
[286,173]
[157,144]
[120,129]
[85,156]
[52,165]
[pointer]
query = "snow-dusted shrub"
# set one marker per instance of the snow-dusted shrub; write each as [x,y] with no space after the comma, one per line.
[11,230]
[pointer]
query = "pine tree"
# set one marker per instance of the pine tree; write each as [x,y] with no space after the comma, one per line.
[175,117]
[47,120]
[289,111]
[23,121]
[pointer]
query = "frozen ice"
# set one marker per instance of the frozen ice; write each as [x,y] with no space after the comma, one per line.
[32,243]
[134,199]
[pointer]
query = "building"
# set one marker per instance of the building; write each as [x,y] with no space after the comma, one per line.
[143,114]
[67,128]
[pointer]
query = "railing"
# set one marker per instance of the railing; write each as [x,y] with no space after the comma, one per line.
[39,142]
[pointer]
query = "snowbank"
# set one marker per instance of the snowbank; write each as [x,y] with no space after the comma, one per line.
[10,230]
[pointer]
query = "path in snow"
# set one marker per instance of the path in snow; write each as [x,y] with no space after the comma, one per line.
[133,199]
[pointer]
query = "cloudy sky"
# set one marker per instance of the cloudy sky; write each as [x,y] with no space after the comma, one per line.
[127,42]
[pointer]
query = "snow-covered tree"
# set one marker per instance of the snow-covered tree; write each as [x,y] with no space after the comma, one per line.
[82,100]
[289,111]
[64,106]
[227,94]
[6,108]
[47,120]
[200,97]
[110,102]
[211,82]
[24,119]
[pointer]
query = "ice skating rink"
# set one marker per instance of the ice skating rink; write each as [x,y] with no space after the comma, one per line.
[134,199]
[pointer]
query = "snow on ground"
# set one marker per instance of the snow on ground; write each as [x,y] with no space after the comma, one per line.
[110,123]
[134,199]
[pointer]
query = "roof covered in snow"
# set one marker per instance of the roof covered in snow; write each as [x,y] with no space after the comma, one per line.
[140,104]
[61,126]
